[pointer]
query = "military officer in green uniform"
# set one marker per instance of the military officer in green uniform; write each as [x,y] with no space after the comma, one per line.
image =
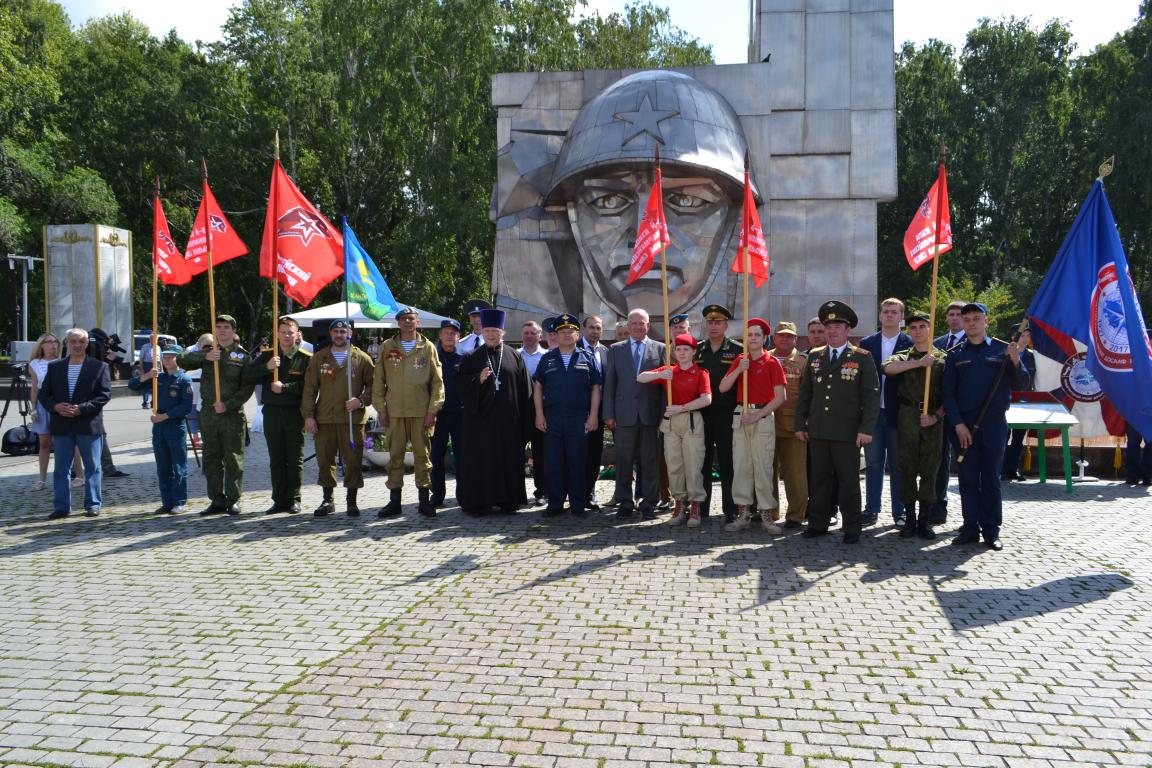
[920,435]
[836,412]
[337,390]
[283,423]
[716,354]
[222,421]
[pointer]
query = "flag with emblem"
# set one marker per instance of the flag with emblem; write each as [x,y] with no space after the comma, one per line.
[652,235]
[920,240]
[1088,301]
[300,248]
[210,220]
[363,282]
[171,269]
[752,251]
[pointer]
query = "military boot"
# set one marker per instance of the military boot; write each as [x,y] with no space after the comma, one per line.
[909,528]
[393,508]
[924,528]
[353,507]
[425,506]
[327,506]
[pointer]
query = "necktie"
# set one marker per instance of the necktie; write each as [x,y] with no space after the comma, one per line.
[952,340]
[636,356]
[835,356]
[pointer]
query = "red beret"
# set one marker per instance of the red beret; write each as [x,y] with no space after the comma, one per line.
[684,340]
[762,323]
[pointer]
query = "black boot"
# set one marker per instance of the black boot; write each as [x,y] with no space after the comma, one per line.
[353,508]
[393,508]
[326,507]
[425,506]
[924,528]
[909,529]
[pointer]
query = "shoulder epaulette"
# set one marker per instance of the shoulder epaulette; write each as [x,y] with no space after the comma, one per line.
[861,350]
[816,350]
[305,351]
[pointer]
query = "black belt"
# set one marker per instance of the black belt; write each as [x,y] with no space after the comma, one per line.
[917,404]
[754,406]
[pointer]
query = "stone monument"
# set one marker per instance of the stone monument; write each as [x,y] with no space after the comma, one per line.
[816,113]
[88,279]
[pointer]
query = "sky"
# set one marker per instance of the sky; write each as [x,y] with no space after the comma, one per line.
[721,23]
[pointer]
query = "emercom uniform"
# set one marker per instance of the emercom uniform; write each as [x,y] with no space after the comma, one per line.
[169,438]
[283,423]
[223,433]
[325,391]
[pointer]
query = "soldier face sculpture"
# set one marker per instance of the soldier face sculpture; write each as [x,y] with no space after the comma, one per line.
[605,172]
[606,215]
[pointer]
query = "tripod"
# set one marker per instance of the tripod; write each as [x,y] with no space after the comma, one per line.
[19,391]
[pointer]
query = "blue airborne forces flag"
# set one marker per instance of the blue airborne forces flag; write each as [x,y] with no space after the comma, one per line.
[1088,296]
[363,282]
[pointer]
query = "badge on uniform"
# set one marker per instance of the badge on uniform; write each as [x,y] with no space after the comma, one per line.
[173,393]
[394,356]
[327,370]
[849,371]
[419,361]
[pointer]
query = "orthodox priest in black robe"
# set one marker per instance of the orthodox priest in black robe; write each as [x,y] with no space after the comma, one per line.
[498,412]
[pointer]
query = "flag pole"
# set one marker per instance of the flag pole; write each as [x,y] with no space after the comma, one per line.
[211,280]
[940,182]
[668,340]
[275,273]
[747,265]
[348,360]
[155,321]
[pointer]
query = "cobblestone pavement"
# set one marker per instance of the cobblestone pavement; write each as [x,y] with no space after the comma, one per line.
[136,641]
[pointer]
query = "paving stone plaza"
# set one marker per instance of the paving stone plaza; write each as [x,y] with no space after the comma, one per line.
[137,642]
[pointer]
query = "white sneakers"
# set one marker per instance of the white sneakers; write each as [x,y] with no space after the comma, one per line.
[744,521]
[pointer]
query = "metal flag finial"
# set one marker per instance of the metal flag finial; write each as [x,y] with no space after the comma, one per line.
[1106,168]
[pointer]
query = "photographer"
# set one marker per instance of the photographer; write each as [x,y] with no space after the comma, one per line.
[106,349]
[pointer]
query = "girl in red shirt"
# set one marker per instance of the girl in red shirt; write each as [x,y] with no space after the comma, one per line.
[683,428]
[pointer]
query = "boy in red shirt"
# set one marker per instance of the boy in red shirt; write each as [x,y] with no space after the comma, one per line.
[683,428]
[754,428]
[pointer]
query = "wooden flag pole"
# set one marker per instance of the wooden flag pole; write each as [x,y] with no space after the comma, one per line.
[747,264]
[275,274]
[935,269]
[211,281]
[668,340]
[155,321]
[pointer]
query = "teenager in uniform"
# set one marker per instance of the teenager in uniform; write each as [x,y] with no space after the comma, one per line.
[754,427]
[683,428]
[169,433]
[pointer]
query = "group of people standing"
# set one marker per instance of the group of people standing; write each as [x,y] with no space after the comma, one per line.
[755,413]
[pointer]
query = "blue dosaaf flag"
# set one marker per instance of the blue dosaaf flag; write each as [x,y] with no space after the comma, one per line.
[1088,296]
[363,282]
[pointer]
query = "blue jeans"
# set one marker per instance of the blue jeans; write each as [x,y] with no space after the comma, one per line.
[171,453]
[880,455]
[65,447]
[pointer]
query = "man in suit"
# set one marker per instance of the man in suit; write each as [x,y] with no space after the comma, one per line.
[74,392]
[592,331]
[633,412]
[881,453]
[837,410]
[946,343]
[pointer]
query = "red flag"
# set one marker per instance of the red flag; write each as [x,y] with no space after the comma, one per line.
[920,239]
[652,235]
[226,244]
[300,247]
[752,241]
[171,268]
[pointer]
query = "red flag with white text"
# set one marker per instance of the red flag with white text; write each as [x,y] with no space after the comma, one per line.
[753,248]
[920,239]
[652,235]
[300,248]
[171,268]
[211,226]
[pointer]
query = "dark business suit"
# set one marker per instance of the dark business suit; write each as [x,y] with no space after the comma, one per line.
[637,410]
[882,452]
[85,431]
[596,437]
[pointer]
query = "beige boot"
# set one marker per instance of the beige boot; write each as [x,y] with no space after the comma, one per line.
[743,520]
[766,519]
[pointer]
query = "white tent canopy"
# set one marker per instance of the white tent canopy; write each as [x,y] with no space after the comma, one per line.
[359,320]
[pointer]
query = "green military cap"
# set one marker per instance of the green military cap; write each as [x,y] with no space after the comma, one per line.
[565,321]
[716,312]
[837,312]
[226,319]
[680,318]
[919,317]
[785,327]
